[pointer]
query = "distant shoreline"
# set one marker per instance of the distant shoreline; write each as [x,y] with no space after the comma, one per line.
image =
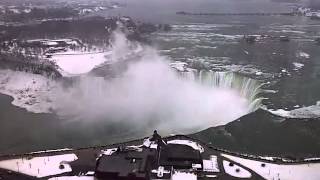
[235,14]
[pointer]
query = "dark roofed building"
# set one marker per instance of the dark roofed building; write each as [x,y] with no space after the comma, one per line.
[179,156]
[125,165]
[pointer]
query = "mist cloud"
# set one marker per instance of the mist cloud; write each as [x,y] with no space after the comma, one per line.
[150,95]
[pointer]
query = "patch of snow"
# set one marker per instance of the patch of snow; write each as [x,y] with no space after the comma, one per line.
[179,66]
[258,73]
[30,91]
[235,170]
[55,150]
[312,159]
[40,166]
[196,166]
[211,176]
[75,63]
[303,55]
[147,142]
[51,43]
[27,11]
[304,112]
[192,144]
[297,65]
[16,11]
[281,112]
[73,178]
[271,171]
[183,176]
[206,47]
[292,31]
[109,151]
[90,173]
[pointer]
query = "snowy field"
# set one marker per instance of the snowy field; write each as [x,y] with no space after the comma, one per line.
[40,166]
[272,171]
[76,63]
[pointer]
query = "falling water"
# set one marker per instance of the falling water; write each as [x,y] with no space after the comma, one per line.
[247,87]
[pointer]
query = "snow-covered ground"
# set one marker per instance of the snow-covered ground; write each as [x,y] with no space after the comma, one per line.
[302,54]
[303,112]
[297,65]
[55,42]
[183,176]
[76,63]
[272,171]
[235,170]
[30,91]
[73,178]
[40,166]
[192,144]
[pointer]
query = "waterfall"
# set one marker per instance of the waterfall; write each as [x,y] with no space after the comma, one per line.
[247,87]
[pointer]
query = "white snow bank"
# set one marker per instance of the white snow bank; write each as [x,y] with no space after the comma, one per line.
[272,171]
[40,166]
[192,144]
[304,112]
[75,63]
[183,176]
[280,112]
[301,54]
[73,178]
[30,91]
[179,66]
[297,65]
[235,170]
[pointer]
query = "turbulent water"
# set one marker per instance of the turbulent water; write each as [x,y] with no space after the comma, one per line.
[246,87]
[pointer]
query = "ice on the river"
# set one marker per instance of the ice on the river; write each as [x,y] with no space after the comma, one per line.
[304,112]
